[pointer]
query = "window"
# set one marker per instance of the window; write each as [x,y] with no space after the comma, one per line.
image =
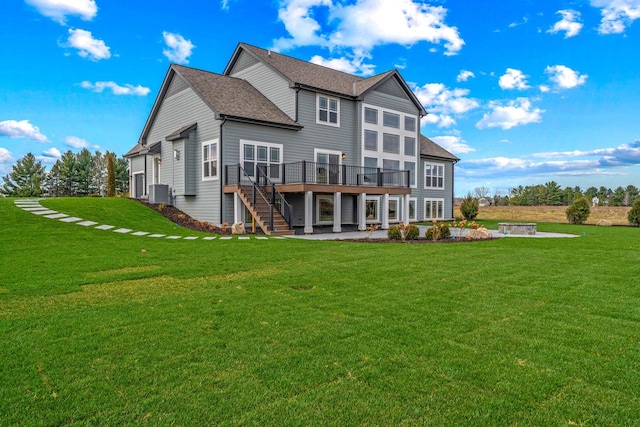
[413,215]
[388,164]
[433,209]
[394,213]
[409,146]
[411,167]
[371,140]
[371,115]
[263,156]
[391,120]
[327,166]
[390,143]
[328,110]
[371,210]
[370,175]
[324,209]
[433,175]
[409,123]
[210,160]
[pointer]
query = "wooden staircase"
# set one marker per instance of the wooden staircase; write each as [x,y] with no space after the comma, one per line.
[260,212]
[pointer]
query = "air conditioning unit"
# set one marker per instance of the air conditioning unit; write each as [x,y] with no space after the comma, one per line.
[159,193]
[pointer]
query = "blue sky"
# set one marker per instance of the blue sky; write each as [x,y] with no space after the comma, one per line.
[523,91]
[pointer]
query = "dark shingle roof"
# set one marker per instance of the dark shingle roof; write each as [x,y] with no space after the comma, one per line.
[183,132]
[233,98]
[136,150]
[319,77]
[431,149]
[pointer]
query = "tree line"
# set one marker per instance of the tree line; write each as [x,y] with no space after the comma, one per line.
[79,174]
[551,194]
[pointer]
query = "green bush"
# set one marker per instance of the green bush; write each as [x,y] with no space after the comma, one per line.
[394,233]
[469,207]
[634,214]
[579,211]
[439,231]
[411,232]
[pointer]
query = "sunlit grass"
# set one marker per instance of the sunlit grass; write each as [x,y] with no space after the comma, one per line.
[288,332]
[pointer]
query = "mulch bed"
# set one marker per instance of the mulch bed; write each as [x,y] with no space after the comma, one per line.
[419,241]
[181,219]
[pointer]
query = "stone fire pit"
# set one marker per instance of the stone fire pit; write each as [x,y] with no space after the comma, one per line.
[517,228]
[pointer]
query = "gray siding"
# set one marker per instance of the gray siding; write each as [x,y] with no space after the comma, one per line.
[447,193]
[137,164]
[392,102]
[178,84]
[180,109]
[271,84]
[393,88]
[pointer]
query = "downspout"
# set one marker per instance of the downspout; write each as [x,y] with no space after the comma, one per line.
[220,168]
[298,88]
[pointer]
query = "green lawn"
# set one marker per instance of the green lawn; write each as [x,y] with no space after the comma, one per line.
[291,332]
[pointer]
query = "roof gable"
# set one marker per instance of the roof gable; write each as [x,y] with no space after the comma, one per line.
[317,77]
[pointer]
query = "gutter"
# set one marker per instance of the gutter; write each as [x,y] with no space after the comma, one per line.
[221,142]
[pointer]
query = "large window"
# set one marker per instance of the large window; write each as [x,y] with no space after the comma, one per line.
[433,209]
[411,167]
[409,146]
[328,110]
[391,143]
[261,155]
[371,210]
[409,123]
[210,160]
[324,209]
[413,214]
[371,115]
[371,140]
[394,209]
[391,120]
[434,175]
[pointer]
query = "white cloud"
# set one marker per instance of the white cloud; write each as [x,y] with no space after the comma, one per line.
[617,15]
[21,129]
[58,10]
[515,113]
[224,5]
[453,144]
[465,75]
[87,46]
[179,48]
[52,152]
[5,156]
[365,24]
[354,65]
[564,77]
[570,23]
[443,103]
[115,88]
[513,79]
[544,88]
[75,142]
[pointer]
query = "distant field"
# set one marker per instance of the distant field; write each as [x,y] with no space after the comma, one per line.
[617,215]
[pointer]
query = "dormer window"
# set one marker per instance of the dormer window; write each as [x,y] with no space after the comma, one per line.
[328,112]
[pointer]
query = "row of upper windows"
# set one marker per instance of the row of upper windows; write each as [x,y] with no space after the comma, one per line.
[328,112]
[390,143]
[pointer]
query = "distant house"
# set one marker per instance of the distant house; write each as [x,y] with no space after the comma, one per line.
[293,145]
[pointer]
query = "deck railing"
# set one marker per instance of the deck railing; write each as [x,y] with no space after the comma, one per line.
[327,173]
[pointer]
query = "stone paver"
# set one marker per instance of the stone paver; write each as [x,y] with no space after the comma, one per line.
[209,238]
[191,238]
[105,227]
[157,235]
[123,230]
[45,212]
[71,219]
[140,233]
[56,216]
[174,237]
[87,223]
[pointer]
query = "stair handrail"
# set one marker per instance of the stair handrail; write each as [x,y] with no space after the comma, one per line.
[277,199]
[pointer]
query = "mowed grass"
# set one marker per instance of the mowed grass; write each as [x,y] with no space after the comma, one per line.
[289,332]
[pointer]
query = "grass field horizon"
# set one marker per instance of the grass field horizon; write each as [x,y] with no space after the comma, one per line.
[616,214]
[292,332]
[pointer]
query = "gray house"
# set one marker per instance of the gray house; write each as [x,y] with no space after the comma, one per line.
[288,146]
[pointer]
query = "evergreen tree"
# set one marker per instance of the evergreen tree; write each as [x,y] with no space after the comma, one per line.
[553,194]
[631,194]
[111,175]
[68,174]
[26,178]
[52,181]
[122,175]
[98,174]
[617,198]
[83,173]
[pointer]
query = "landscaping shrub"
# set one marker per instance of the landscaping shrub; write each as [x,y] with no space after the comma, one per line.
[411,232]
[469,207]
[439,231]
[394,233]
[579,211]
[634,214]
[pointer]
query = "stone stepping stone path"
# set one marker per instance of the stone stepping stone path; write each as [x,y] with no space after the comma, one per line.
[35,208]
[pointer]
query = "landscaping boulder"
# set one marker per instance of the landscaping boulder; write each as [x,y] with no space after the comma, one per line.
[604,223]
[238,228]
[480,233]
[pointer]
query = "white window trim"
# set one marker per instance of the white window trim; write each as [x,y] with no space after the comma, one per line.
[327,123]
[323,197]
[415,210]
[415,173]
[217,175]
[380,154]
[378,207]
[398,210]
[424,175]
[269,146]
[431,200]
